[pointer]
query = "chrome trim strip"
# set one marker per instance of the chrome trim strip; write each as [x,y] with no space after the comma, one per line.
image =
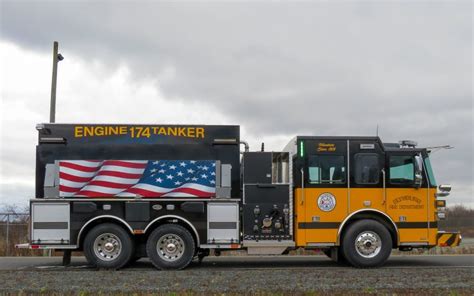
[99,217]
[176,217]
[320,244]
[414,244]
[366,210]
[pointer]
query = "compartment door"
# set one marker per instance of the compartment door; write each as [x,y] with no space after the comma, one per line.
[50,223]
[222,222]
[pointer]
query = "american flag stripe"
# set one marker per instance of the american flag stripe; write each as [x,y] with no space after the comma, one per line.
[65,176]
[100,189]
[86,163]
[179,194]
[127,170]
[80,182]
[78,167]
[80,177]
[157,189]
[67,189]
[119,174]
[127,164]
[131,178]
[76,173]
[175,192]
[107,178]
[85,193]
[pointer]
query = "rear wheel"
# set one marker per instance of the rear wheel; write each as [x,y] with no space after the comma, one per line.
[108,246]
[366,243]
[170,246]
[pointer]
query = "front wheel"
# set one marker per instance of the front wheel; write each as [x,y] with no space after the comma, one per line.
[170,246]
[367,243]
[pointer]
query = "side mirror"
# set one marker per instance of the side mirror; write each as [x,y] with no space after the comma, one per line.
[444,190]
[418,171]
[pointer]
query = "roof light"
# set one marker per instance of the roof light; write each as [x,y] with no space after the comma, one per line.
[407,144]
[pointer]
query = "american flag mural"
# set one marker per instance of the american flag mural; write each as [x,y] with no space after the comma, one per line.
[133,178]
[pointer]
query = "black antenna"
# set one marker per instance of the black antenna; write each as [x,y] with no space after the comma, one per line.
[263,146]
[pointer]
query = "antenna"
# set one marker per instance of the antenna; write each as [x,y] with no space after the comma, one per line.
[437,148]
[377,130]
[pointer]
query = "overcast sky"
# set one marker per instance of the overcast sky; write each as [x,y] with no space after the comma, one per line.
[277,69]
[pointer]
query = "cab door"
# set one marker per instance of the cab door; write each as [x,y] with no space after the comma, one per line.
[321,199]
[407,196]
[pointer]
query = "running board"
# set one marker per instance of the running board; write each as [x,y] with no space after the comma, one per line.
[267,247]
[44,247]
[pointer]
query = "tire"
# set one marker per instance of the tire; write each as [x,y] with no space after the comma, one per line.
[119,243]
[170,246]
[366,243]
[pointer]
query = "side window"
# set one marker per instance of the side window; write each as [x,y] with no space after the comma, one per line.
[367,168]
[326,169]
[402,169]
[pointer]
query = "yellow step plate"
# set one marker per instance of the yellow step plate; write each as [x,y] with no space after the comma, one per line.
[449,239]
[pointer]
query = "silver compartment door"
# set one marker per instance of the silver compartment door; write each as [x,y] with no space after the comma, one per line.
[222,222]
[50,223]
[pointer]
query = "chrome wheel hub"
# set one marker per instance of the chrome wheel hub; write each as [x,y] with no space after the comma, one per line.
[107,246]
[170,247]
[368,244]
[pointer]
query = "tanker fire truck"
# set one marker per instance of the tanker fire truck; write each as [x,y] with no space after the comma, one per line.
[172,193]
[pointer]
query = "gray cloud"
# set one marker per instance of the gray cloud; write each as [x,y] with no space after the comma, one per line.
[282,69]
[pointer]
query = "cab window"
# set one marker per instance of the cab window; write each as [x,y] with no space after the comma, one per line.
[326,169]
[429,169]
[402,169]
[367,168]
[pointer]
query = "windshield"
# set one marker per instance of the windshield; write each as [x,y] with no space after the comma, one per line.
[429,169]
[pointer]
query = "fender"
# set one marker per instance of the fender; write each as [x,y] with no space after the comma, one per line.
[175,217]
[361,211]
[123,222]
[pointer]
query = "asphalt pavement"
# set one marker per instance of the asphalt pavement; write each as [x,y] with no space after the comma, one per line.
[246,262]
[266,275]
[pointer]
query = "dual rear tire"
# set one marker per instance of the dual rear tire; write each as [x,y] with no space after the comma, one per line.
[170,246]
[109,246]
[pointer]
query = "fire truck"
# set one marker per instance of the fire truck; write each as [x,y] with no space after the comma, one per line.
[173,193]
